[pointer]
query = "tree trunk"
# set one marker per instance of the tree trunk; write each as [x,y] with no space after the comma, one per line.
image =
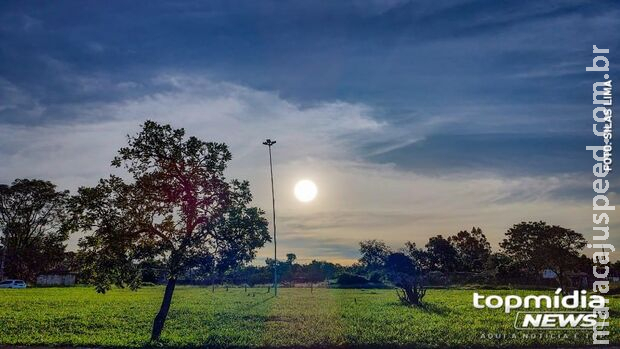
[561,283]
[160,319]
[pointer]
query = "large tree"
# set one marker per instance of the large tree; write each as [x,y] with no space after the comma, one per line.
[538,246]
[441,254]
[178,209]
[473,249]
[374,254]
[34,225]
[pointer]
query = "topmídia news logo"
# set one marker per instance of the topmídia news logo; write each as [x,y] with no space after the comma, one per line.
[557,312]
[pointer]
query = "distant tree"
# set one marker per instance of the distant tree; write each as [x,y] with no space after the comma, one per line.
[290,258]
[539,246]
[442,255]
[317,271]
[257,275]
[348,279]
[376,277]
[403,272]
[151,270]
[278,266]
[501,267]
[286,268]
[473,249]
[34,225]
[374,254]
[615,267]
[419,256]
[179,209]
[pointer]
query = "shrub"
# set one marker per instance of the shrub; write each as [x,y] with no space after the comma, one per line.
[347,279]
[376,277]
[407,277]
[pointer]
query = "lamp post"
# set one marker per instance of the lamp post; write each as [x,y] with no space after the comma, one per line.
[269,143]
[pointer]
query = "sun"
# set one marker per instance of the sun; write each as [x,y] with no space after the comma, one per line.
[305,190]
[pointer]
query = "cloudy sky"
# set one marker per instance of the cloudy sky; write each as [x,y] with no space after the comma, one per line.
[413,118]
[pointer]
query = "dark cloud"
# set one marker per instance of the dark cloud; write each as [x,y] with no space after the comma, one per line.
[510,154]
[438,89]
[392,55]
[460,67]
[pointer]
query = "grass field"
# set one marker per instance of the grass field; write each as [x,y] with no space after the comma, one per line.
[327,317]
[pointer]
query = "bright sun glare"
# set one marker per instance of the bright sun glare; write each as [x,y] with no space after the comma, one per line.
[305,190]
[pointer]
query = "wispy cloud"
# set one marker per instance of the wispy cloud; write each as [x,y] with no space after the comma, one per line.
[414,118]
[358,198]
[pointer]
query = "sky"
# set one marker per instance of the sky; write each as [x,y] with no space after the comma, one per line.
[414,118]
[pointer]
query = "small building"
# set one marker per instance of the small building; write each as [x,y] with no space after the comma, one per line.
[549,274]
[61,278]
[578,280]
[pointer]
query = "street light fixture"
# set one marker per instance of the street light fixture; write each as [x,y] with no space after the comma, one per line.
[269,143]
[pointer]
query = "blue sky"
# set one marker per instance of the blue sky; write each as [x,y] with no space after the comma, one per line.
[414,118]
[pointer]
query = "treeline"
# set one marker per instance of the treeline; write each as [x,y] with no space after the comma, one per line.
[289,273]
[35,219]
[528,251]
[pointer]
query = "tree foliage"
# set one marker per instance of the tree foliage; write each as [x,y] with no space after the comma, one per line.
[34,225]
[537,246]
[374,254]
[441,254]
[403,272]
[473,249]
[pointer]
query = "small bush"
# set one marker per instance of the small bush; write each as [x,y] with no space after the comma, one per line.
[347,279]
[376,277]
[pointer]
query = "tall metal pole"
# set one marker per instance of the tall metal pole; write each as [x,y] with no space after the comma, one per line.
[269,143]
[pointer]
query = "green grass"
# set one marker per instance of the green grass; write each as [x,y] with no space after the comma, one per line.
[327,317]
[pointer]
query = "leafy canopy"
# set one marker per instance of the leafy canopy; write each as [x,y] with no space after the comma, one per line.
[34,224]
[178,208]
[537,246]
